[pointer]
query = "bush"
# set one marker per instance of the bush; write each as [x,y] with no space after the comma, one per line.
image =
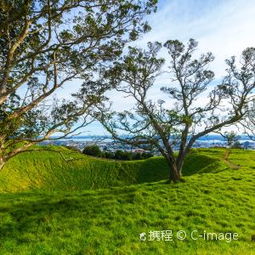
[92,150]
[137,156]
[147,155]
[123,155]
[237,145]
[126,155]
[108,154]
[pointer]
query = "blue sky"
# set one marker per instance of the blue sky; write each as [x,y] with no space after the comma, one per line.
[224,27]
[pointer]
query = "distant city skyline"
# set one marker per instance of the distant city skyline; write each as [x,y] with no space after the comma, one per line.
[106,142]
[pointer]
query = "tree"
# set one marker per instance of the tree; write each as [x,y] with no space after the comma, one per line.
[92,150]
[232,139]
[196,106]
[45,44]
[236,145]
[122,155]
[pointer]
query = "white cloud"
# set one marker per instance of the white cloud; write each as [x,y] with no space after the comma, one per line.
[222,27]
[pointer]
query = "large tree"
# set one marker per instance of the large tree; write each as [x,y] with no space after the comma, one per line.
[45,44]
[196,105]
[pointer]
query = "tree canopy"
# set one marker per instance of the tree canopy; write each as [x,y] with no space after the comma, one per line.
[196,104]
[45,44]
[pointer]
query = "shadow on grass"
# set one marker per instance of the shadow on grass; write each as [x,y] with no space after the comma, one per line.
[43,214]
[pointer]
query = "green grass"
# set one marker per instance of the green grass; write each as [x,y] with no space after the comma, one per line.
[68,170]
[217,196]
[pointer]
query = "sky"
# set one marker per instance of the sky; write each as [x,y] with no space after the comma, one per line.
[224,27]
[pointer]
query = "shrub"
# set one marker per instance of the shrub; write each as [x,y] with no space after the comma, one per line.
[108,154]
[122,155]
[147,155]
[237,145]
[137,156]
[125,155]
[92,150]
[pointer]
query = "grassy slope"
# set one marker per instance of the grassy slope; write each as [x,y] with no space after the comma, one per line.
[108,221]
[68,170]
[72,171]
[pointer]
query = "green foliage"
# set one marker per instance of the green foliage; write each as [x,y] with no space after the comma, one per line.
[108,154]
[119,154]
[232,139]
[128,155]
[236,145]
[177,126]
[39,54]
[92,150]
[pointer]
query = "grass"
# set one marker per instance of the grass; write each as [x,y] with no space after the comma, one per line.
[217,196]
[67,170]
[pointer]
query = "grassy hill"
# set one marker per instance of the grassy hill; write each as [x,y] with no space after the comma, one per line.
[217,197]
[62,169]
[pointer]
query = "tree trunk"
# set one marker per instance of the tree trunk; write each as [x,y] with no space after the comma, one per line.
[2,163]
[174,173]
